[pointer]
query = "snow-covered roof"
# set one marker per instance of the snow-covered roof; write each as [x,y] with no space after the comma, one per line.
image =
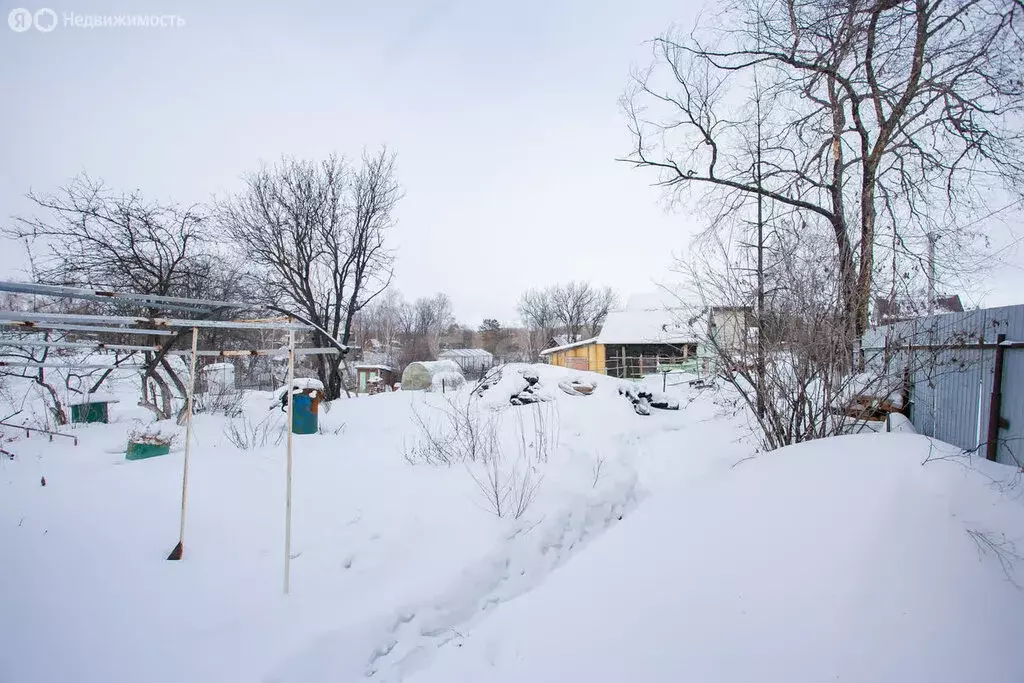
[653,318]
[372,366]
[465,353]
[564,347]
[565,339]
[86,399]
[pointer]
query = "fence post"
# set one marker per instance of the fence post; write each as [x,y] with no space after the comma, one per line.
[995,406]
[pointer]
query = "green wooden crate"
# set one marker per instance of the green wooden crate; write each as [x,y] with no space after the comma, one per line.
[141,451]
[89,412]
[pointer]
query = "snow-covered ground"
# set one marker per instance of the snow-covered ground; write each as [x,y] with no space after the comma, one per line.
[648,553]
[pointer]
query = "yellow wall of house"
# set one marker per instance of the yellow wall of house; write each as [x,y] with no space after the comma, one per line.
[594,353]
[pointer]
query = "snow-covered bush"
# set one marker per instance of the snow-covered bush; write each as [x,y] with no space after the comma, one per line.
[219,400]
[163,432]
[469,432]
[452,433]
[246,434]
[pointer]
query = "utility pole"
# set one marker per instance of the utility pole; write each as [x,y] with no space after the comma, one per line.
[932,237]
[760,260]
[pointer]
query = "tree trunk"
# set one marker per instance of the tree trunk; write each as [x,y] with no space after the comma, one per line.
[862,294]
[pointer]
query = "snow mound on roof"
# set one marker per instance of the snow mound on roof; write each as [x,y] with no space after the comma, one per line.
[843,559]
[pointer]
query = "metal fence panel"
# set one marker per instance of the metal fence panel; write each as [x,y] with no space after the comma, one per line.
[951,377]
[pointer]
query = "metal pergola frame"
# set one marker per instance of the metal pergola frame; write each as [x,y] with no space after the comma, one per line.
[281,352]
[140,325]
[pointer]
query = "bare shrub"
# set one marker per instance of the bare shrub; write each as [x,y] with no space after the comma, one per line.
[463,433]
[538,437]
[1001,548]
[246,434]
[596,470]
[460,432]
[219,400]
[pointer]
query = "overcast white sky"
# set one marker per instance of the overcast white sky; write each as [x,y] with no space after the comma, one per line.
[504,117]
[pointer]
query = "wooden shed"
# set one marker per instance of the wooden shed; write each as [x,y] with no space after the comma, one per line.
[587,354]
[373,378]
[652,333]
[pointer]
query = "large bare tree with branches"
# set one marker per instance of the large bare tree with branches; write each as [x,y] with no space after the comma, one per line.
[575,308]
[884,121]
[87,235]
[314,235]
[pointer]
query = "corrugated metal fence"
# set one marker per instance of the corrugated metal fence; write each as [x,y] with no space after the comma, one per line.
[949,363]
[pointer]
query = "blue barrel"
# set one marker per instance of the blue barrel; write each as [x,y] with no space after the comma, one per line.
[304,414]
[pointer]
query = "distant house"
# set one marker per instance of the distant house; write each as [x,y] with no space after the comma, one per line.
[897,309]
[373,377]
[655,332]
[471,361]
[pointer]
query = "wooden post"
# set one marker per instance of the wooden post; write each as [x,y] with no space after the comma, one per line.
[641,365]
[995,405]
[622,372]
[288,458]
[179,549]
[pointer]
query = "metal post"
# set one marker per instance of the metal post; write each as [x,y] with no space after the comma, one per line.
[180,548]
[288,476]
[995,420]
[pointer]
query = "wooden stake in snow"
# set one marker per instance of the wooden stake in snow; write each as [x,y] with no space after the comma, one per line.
[180,548]
[288,458]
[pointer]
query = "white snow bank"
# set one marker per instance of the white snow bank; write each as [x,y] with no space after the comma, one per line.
[843,559]
[87,595]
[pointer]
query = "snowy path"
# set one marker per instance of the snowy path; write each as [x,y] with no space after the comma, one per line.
[391,561]
[649,454]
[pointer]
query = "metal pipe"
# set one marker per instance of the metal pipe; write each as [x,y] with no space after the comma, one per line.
[31,320]
[188,440]
[84,328]
[995,406]
[288,471]
[70,366]
[181,303]
[95,346]
[99,346]
[41,431]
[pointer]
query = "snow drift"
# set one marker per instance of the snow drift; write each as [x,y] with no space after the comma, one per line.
[844,559]
[646,555]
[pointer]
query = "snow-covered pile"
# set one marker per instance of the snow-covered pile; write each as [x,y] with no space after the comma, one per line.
[642,554]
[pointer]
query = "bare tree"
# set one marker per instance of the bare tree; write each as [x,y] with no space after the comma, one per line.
[875,111]
[423,322]
[314,235]
[91,236]
[572,304]
[375,193]
[538,315]
[794,377]
[575,309]
[604,301]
